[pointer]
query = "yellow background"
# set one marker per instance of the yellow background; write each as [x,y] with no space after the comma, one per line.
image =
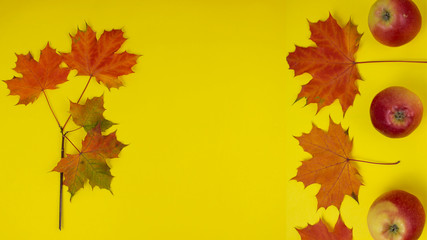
[209,119]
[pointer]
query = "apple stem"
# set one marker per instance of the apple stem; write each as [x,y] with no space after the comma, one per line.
[394,228]
[363,161]
[386,15]
[390,61]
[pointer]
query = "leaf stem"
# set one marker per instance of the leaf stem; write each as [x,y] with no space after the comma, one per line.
[363,161]
[84,90]
[80,98]
[71,143]
[73,130]
[390,61]
[51,110]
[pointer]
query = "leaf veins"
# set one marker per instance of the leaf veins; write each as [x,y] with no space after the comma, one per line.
[99,58]
[330,165]
[37,76]
[331,64]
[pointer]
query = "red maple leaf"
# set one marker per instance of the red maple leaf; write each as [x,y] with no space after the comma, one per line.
[320,231]
[331,165]
[37,76]
[98,58]
[331,64]
[90,164]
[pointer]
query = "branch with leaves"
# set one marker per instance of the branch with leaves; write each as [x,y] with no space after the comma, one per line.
[100,60]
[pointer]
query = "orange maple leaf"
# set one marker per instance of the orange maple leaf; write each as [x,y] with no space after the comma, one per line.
[37,76]
[331,165]
[331,64]
[91,161]
[98,58]
[320,231]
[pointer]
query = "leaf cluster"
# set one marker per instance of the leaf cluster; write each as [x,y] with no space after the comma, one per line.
[99,59]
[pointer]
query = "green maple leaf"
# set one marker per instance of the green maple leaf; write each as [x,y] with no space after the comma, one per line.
[90,114]
[90,164]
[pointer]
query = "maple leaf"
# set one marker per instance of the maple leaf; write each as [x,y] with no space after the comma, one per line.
[331,165]
[91,161]
[331,64]
[98,58]
[90,114]
[37,76]
[320,231]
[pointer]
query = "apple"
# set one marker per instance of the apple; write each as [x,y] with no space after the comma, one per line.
[396,112]
[394,22]
[396,215]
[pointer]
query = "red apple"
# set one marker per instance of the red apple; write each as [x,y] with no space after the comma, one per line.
[394,22]
[396,112]
[396,215]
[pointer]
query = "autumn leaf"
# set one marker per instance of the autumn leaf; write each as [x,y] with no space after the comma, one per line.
[90,114]
[320,231]
[90,164]
[99,58]
[37,76]
[331,165]
[331,63]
